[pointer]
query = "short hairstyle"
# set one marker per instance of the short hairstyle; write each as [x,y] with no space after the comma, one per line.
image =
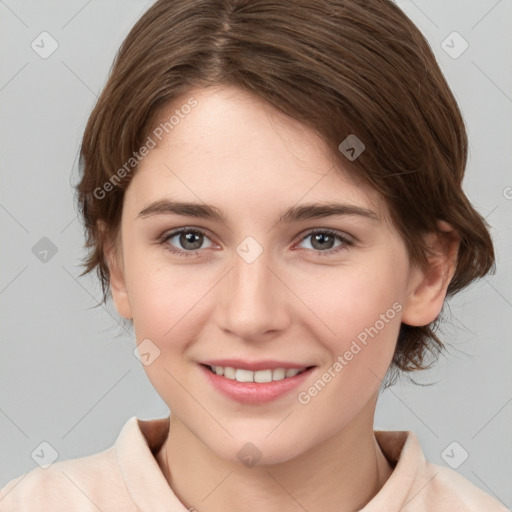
[341,67]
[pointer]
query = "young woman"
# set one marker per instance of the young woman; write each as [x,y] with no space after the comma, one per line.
[272,195]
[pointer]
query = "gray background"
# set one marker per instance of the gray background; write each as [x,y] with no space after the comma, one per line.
[68,375]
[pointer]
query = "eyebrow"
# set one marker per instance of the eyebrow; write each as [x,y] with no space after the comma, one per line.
[293,214]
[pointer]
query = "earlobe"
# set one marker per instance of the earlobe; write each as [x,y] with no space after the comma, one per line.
[118,289]
[428,286]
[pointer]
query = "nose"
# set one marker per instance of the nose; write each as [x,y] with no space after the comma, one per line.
[253,300]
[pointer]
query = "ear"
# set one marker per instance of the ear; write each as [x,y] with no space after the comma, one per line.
[114,259]
[428,286]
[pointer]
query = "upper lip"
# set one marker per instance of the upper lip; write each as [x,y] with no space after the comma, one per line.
[254,365]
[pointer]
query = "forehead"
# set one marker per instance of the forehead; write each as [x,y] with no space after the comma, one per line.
[234,147]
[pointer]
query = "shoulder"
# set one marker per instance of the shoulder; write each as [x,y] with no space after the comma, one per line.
[445,489]
[84,483]
[81,484]
[416,485]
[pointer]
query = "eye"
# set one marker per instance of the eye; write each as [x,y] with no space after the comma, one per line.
[190,240]
[323,241]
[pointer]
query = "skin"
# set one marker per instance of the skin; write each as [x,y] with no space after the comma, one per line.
[293,303]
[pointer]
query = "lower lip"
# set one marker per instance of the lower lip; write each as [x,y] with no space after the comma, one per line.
[254,392]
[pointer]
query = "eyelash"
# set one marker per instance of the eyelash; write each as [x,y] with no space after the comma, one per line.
[346,242]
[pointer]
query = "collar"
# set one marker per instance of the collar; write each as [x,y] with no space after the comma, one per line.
[140,440]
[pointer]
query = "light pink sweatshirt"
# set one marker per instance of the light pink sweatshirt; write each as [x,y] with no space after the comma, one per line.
[127,478]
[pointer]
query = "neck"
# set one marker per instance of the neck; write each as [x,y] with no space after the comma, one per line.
[342,473]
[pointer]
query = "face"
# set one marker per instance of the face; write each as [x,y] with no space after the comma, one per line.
[262,278]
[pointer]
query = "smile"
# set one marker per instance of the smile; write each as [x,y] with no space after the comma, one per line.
[255,387]
[261,376]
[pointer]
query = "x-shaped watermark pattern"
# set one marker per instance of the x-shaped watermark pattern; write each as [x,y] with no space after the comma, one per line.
[45,246]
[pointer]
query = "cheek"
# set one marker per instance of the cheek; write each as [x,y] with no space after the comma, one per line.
[165,305]
[353,299]
[360,312]
[167,300]
[363,310]
[164,302]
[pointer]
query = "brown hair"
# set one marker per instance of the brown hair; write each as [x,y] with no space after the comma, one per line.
[339,66]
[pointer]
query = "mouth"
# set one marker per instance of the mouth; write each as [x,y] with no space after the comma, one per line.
[254,387]
[259,376]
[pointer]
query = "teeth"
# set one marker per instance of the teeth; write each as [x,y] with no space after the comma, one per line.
[258,376]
